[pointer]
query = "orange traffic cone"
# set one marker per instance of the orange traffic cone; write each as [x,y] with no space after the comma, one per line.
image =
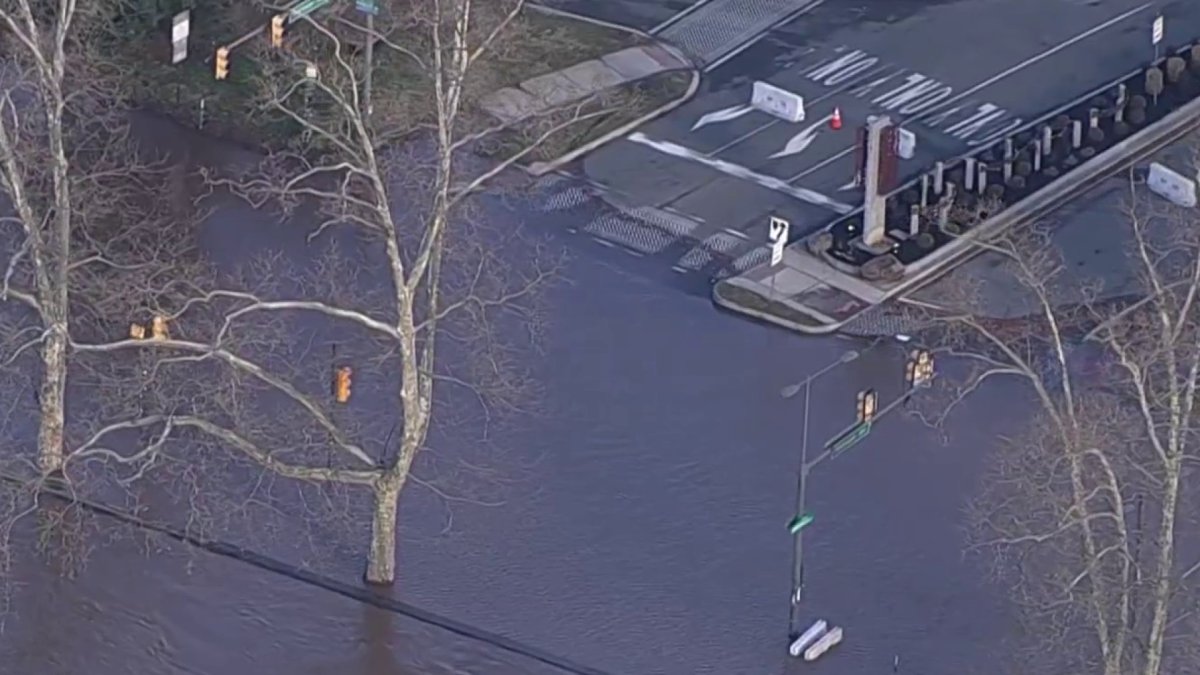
[835,120]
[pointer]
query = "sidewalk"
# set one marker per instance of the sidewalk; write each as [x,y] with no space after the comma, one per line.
[589,79]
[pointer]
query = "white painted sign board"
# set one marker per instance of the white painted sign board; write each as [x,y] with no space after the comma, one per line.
[1156,34]
[778,236]
[778,102]
[180,27]
[1170,185]
[906,143]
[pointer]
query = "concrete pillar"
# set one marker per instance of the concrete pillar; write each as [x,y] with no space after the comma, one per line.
[969,173]
[1008,159]
[1076,134]
[874,207]
[1047,140]
[914,220]
[939,177]
[982,177]
[924,190]
[1037,155]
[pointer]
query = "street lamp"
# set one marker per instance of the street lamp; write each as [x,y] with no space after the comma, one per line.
[802,519]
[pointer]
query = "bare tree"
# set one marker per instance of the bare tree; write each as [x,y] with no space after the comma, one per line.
[1083,511]
[87,229]
[415,288]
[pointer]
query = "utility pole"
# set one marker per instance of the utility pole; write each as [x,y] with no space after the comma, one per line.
[802,518]
[370,8]
[370,53]
[919,373]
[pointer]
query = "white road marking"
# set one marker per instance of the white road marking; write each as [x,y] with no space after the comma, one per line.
[990,81]
[722,115]
[728,168]
[807,103]
[800,142]
[735,233]
[748,43]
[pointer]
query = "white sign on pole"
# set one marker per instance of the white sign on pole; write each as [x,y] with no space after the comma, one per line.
[1157,34]
[906,143]
[180,27]
[778,102]
[778,236]
[1170,185]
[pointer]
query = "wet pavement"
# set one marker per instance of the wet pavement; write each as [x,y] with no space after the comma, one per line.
[958,73]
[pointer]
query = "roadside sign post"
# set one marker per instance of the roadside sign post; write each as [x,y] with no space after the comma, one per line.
[180,27]
[778,236]
[1156,33]
[305,8]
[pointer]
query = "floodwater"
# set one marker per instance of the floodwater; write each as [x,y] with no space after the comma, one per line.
[641,529]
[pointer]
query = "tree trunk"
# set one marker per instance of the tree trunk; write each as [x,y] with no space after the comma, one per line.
[1166,560]
[52,401]
[381,560]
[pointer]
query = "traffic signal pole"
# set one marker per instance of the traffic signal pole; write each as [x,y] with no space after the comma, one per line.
[918,375]
[801,518]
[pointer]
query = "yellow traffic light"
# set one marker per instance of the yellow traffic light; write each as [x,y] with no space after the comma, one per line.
[277,30]
[222,68]
[867,405]
[137,331]
[918,371]
[158,328]
[341,384]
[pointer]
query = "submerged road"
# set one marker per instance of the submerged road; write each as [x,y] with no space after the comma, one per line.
[642,527]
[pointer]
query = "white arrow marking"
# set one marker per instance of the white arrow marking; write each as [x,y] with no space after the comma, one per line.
[802,140]
[731,169]
[848,186]
[723,115]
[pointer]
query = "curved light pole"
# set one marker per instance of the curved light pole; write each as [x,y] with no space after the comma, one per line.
[805,385]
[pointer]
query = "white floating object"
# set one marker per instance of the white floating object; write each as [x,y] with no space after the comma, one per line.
[778,102]
[810,636]
[824,644]
[1171,185]
[906,145]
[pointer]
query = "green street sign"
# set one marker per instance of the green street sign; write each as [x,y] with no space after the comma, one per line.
[851,438]
[800,522]
[305,8]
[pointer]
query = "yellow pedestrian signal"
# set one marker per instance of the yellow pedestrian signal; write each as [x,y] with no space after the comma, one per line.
[919,369]
[868,402]
[222,67]
[341,384]
[277,30]
[158,328]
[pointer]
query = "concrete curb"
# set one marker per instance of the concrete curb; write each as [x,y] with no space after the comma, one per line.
[1133,149]
[543,168]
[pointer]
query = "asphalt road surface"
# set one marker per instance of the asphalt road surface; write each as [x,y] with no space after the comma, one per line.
[957,73]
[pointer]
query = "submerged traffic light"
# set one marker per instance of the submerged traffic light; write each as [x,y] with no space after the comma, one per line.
[222,65]
[341,384]
[277,30]
[918,371]
[868,402]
